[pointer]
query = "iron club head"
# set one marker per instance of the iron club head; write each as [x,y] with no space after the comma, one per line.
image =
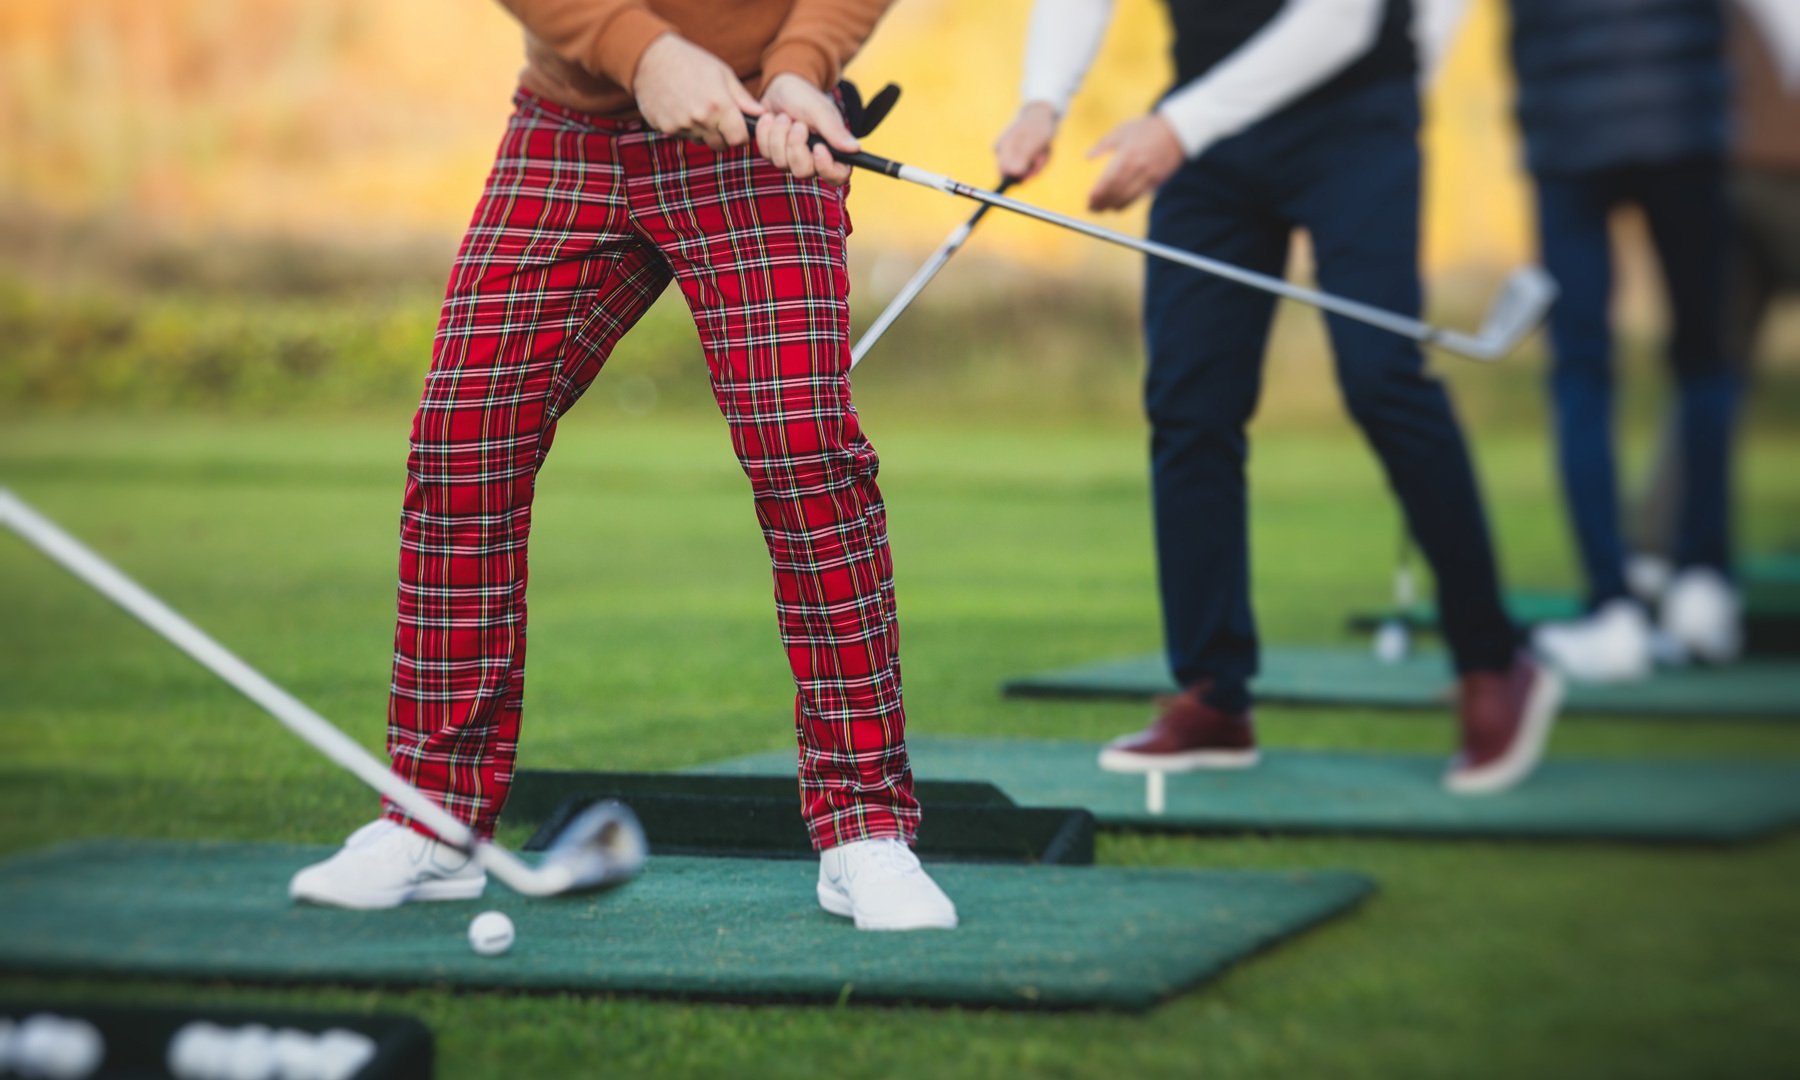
[1521,305]
[600,847]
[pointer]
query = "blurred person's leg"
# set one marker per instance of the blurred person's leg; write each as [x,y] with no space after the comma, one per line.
[1206,338]
[550,274]
[1765,220]
[1358,195]
[1362,210]
[1577,251]
[760,257]
[1684,204]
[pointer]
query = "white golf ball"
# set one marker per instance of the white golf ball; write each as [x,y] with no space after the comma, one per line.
[293,1052]
[491,933]
[198,1051]
[341,1054]
[56,1048]
[1391,642]
[251,1054]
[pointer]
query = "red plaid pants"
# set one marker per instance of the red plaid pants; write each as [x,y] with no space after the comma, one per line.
[582,225]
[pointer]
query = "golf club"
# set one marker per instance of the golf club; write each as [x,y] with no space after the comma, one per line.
[921,278]
[1516,311]
[604,845]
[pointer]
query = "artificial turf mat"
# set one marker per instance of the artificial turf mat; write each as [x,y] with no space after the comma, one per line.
[1771,593]
[684,814]
[742,929]
[1354,677]
[1307,791]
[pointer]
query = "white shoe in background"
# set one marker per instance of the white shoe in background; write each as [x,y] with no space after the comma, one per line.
[1610,645]
[384,864]
[1648,577]
[881,885]
[1701,610]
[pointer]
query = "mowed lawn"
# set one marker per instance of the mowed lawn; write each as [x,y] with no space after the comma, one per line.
[653,646]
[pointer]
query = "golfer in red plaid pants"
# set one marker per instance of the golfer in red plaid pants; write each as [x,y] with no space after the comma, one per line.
[584,221]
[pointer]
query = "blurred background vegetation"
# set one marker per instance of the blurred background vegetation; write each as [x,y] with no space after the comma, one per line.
[252,206]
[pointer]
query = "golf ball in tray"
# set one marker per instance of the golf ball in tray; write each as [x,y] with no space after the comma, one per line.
[207,1051]
[49,1046]
[491,933]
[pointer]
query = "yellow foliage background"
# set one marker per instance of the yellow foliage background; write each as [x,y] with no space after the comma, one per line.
[370,119]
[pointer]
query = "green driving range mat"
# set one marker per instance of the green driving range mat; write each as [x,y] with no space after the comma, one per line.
[1770,584]
[1354,677]
[742,929]
[1527,607]
[1310,791]
[759,817]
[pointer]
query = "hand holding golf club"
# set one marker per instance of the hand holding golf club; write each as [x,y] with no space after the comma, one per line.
[684,90]
[800,128]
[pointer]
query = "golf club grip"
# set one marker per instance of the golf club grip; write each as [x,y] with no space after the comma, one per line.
[858,158]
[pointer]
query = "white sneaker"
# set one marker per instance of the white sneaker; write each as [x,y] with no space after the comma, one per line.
[384,864]
[1611,645]
[881,885]
[1702,611]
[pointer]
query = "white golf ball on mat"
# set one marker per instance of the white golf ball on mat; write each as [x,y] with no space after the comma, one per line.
[491,933]
[1392,642]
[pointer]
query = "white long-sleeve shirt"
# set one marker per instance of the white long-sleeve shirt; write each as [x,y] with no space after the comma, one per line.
[1779,21]
[1303,46]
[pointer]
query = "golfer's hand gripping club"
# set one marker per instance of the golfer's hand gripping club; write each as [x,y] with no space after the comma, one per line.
[1519,308]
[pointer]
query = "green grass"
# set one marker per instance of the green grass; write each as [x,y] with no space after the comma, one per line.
[1018,547]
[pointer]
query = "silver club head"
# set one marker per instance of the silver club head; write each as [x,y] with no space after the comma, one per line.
[603,845]
[600,847]
[1521,305]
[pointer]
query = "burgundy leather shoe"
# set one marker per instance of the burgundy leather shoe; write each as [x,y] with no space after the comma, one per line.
[1506,721]
[1187,734]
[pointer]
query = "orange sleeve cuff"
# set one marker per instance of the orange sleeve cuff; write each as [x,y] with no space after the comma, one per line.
[622,41]
[802,58]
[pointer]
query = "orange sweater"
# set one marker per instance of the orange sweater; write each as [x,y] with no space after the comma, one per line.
[582,53]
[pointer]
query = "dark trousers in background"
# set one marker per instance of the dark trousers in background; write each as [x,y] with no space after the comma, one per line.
[1764,262]
[1684,205]
[1347,171]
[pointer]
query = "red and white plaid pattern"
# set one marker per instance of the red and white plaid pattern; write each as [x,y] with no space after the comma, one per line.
[583,223]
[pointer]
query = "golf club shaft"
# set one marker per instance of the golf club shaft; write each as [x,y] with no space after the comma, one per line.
[921,278]
[1404,325]
[75,557]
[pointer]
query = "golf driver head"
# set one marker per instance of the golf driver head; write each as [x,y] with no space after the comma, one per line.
[600,847]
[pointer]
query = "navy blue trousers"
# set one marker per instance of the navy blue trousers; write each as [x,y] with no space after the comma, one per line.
[1684,205]
[1346,170]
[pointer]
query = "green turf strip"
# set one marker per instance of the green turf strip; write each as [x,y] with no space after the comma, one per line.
[1771,593]
[1399,794]
[1319,675]
[734,928]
